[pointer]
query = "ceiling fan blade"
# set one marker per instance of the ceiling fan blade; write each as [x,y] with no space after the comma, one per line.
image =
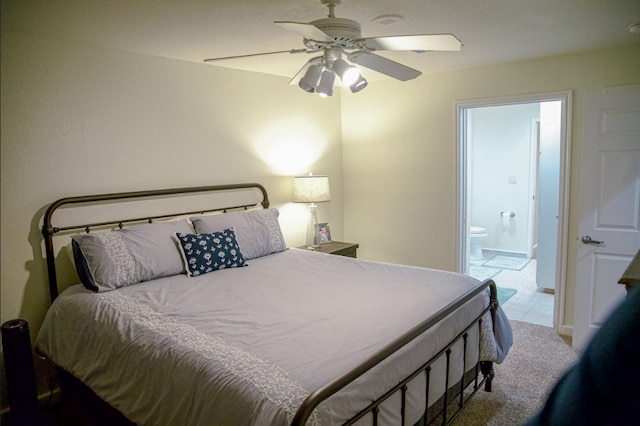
[413,42]
[384,65]
[308,31]
[296,78]
[291,51]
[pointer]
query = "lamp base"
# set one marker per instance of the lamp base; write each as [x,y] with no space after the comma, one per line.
[311,227]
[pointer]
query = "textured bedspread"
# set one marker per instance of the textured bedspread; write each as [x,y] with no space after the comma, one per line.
[245,346]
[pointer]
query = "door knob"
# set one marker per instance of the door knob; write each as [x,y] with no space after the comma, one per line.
[587,240]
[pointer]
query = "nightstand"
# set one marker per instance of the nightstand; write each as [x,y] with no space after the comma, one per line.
[338,247]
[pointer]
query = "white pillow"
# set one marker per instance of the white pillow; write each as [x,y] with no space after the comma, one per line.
[258,231]
[108,260]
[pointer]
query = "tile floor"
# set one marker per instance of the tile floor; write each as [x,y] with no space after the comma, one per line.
[530,304]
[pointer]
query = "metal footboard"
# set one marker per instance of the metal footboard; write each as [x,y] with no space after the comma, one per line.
[453,391]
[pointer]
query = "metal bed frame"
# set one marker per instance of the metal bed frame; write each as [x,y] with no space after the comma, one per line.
[456,396]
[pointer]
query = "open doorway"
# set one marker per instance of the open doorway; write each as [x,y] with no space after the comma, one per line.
[513,180]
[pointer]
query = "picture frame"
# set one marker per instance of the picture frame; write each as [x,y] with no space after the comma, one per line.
[322,233]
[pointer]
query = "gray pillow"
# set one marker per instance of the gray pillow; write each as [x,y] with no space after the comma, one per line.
[258,231]
[129,256]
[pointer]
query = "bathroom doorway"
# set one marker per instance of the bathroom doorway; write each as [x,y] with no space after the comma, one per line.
[513,184]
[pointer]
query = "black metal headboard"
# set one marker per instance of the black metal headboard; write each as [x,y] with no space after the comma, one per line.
[49,230]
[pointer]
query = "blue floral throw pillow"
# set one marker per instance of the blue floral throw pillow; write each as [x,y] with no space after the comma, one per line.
[204,253]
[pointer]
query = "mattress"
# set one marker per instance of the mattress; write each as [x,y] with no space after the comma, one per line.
[245,346]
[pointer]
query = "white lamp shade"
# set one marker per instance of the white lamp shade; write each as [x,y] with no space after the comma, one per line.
[310,81]
[325,86]
[311,189]
[359,84]
[349,74]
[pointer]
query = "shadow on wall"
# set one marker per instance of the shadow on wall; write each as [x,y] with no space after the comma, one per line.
[35,303]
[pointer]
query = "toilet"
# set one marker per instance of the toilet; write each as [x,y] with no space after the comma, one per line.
[477,237]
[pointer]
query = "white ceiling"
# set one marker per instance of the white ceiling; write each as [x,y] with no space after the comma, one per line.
[492,31]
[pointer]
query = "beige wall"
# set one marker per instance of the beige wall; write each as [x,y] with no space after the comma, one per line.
[83,120]
[399,146]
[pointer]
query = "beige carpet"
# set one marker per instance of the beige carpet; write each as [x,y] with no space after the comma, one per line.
[536,360]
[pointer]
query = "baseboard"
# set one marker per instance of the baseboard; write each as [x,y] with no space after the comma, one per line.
[50,398]
[45,400]
[498,252]
[566,330]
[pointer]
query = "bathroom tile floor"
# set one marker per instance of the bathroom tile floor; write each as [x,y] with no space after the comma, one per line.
[530,303]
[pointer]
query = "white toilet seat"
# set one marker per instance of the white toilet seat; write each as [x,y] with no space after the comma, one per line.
[477,230]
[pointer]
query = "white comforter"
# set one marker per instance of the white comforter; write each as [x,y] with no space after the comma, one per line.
[245,346]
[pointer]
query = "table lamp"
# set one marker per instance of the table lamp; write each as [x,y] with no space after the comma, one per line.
[311,189]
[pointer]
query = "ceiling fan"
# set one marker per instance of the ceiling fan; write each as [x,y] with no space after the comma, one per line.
[337,37]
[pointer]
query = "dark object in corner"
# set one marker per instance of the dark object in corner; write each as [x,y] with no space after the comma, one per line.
[21,378]
[602,388]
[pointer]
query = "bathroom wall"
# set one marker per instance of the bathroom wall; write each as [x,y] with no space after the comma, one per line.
[548,193]
[501,175]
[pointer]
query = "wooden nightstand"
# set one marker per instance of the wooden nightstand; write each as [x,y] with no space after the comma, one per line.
[338,247]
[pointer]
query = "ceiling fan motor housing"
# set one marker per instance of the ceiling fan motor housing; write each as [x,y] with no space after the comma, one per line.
[341,29]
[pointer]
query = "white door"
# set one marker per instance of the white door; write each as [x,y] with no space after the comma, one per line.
[609,229]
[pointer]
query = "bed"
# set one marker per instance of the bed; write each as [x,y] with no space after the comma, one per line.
[206,317]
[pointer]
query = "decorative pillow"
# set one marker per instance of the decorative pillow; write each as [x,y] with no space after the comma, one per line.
[258,231]
[209,252]
[109,260]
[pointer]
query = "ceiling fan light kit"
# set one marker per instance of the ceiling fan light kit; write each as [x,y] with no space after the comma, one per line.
[325,86]
[335,37]
[360,84]
[349,74]
[310,81]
